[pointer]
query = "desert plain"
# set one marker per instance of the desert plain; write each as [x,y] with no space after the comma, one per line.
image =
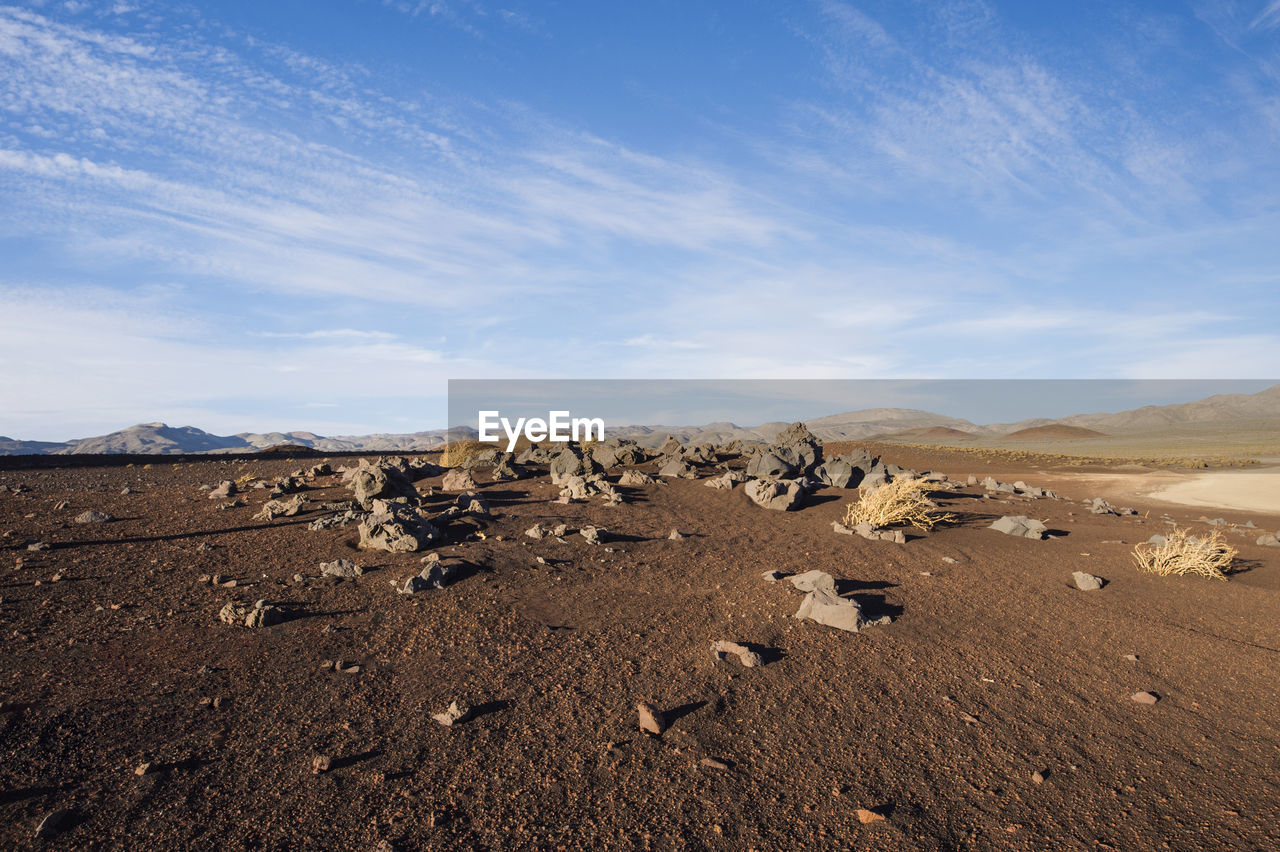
[986,703]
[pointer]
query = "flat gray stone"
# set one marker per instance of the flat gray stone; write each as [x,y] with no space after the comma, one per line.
[811,580]
[1086,582]
[827,609]
[1021,526]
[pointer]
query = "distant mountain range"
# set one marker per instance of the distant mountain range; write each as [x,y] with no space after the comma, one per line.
[162,439]
[902,424]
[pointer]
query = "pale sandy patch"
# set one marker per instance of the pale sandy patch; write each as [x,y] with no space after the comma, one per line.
[1242,490]
[1248,491]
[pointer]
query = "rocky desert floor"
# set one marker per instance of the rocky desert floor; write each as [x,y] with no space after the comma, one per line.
[993,712]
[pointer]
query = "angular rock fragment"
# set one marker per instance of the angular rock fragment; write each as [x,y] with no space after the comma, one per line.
[1099,506]
[339,519]
[721,648]
[652,720]
[455,715]
[458,480]
[769,465]
[779,495]
[273,509]
[1268,540]
[343,568]
[613,452]
[261,614]
[635,479]
[826,608]
[592,534]
[1146,698]
[92,517]
[506,469]
[1086,582]
[677,467]
[726,480]
[396,530]
[575,488]
[810,580]
[870,532]
[1020,525]
[845,471]
[571,462]
[536,532]
[797,446]
[435,572]
[472,503]
[224,489]
[287,485]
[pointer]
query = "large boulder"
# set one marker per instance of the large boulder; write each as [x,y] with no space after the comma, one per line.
[571,462]
[383,481]
[780,495]
[484,458]
[795,452]
[395,528]
[799,447]
[768,465]
[846,471]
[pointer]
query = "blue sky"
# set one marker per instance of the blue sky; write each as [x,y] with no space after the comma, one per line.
[252,216]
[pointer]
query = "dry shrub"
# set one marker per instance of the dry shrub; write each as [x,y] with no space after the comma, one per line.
[1183,553]
[902,501]
[457,452]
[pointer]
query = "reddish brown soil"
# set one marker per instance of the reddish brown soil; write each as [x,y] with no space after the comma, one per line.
[102,671]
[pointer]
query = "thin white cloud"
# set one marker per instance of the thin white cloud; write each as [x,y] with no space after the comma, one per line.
[1268,18]
[326,334]
[982,212]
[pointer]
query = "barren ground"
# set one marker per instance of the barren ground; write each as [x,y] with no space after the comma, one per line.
[107,668]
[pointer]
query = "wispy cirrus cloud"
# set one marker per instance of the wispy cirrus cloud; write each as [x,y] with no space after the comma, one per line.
[1268,18]
[214,210]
